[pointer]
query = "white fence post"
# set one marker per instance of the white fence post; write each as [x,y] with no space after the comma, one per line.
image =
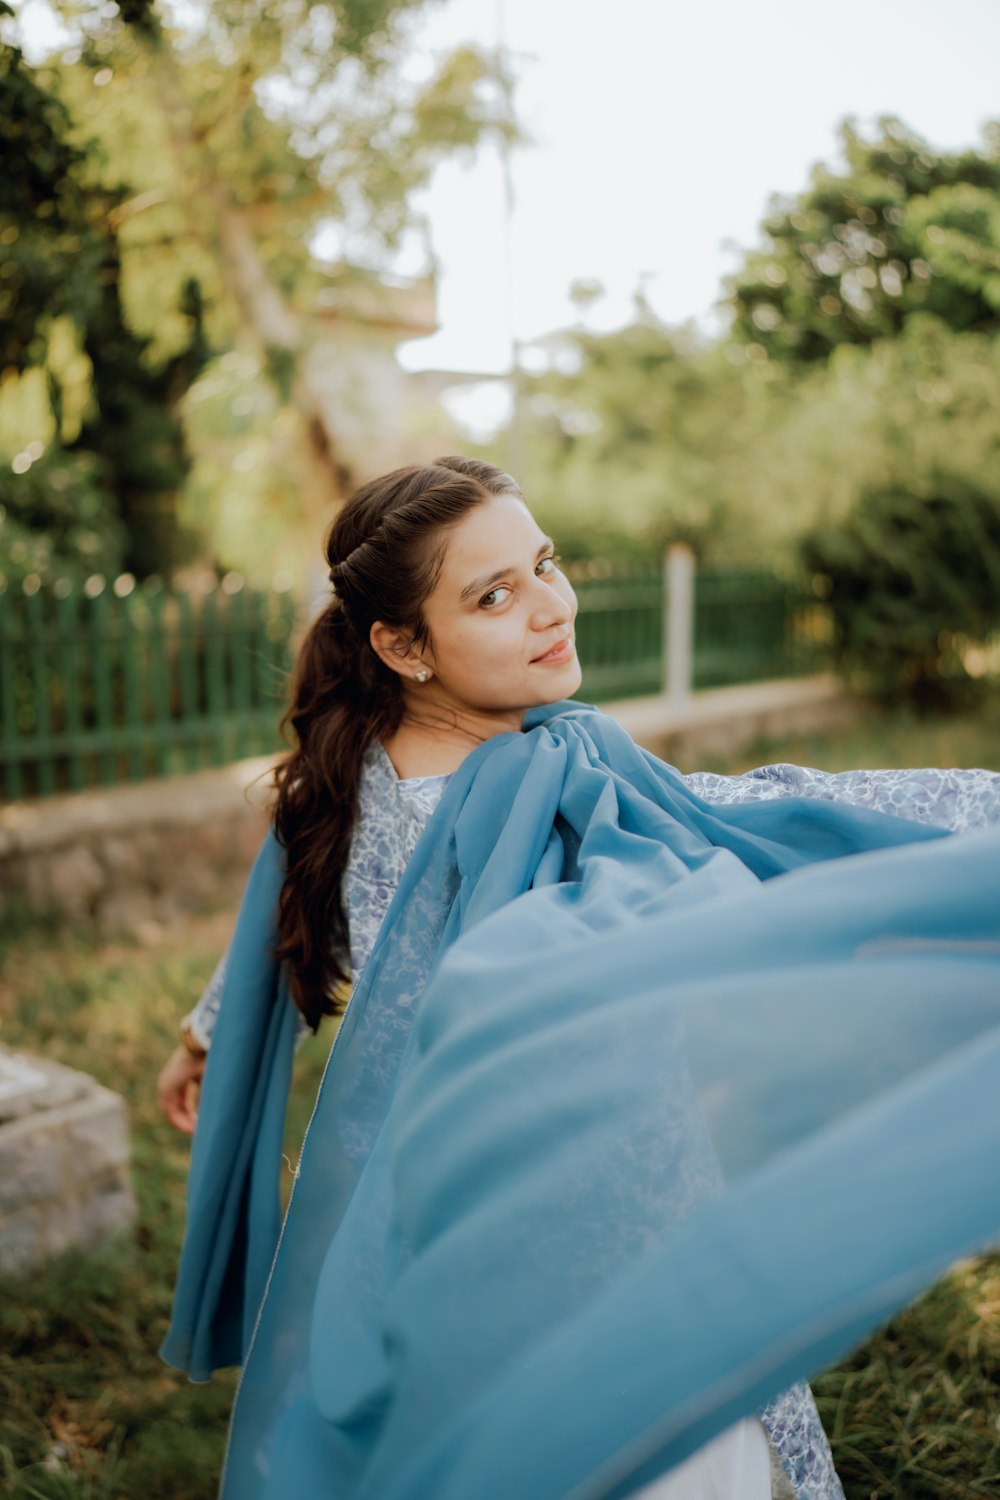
[678,623]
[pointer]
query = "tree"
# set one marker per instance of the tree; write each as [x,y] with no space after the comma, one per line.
[637,437]
[134,428]
[48,248]
[904,229]
[256,123]
[104,493]
[196,165]
[913,580]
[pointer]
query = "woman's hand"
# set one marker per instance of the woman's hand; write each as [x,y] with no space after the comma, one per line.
[178,1087]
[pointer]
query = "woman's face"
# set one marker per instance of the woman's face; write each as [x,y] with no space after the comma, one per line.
[500,618]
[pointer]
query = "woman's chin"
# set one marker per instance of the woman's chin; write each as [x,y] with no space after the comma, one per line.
[562,682]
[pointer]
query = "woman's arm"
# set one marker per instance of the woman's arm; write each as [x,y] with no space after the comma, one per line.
[955,799]
[179,1084]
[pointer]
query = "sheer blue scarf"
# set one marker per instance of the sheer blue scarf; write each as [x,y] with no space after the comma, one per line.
[641,1112]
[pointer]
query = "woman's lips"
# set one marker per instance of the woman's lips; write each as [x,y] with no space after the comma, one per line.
[559,653]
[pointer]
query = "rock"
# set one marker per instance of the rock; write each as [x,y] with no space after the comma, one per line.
[64,1150]
[76,879]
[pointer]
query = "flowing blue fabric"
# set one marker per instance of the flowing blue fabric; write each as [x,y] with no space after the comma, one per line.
[642,1111]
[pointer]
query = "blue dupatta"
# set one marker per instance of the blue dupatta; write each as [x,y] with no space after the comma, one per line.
[642,1111]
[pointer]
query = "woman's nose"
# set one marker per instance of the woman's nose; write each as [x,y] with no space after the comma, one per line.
[555,606]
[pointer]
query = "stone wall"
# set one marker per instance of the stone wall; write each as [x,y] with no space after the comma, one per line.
[730,721]
[133,855]
[147,853]
[64,1150]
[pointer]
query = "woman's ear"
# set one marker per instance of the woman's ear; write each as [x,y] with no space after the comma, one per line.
[397,650]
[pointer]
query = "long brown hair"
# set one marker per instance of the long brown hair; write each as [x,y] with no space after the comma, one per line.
[385,549]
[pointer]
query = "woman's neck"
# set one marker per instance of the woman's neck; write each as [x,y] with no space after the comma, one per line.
[428,743]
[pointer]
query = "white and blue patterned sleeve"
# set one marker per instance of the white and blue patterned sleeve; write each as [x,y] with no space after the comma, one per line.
[203,1017]
[955,799]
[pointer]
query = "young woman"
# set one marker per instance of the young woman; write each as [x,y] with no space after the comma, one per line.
[485,1175]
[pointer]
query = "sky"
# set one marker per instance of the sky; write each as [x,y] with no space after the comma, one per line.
[660,131]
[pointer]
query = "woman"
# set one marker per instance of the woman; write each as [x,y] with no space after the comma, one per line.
[440,1235]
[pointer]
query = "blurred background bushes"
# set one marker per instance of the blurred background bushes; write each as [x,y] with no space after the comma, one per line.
[842,431]
[914,583]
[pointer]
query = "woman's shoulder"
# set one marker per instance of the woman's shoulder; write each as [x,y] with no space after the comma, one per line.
[416,757]
[379,769]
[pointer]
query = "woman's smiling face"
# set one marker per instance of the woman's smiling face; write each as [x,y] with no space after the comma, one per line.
[500,617]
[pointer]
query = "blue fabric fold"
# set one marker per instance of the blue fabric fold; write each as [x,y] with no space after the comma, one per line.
[234,1210]
[642,1110]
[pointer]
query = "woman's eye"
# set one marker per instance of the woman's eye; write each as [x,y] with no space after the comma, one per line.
[543,568]
[494,597]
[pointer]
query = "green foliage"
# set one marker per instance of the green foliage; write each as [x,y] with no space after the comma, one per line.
[62,259]
[57,519]
[864,357]
[628,438]
[904,229]
[141,16]
[635,438]
[203,157]
[913,579]
[47,242]
[135,429]
[370,150]
[871,418]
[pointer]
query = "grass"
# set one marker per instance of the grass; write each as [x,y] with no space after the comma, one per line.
[88,1411]
[915,1412]
[898,738]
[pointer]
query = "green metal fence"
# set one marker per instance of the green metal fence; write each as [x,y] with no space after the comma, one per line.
[619,630]
[110,683]
[103,684]
[748,626]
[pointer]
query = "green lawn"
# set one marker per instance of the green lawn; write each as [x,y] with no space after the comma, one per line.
[88,1411]
[887,739]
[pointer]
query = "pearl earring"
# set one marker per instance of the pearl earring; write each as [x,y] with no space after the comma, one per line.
[422,676]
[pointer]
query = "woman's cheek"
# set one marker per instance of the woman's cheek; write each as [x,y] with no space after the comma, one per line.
[479,652]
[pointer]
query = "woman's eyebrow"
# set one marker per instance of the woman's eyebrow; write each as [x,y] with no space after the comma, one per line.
[480,585]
